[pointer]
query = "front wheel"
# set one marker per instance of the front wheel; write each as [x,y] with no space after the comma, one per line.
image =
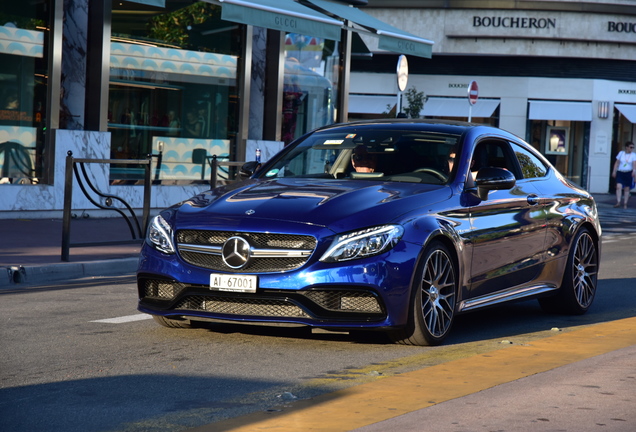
[579,280]
[433,302]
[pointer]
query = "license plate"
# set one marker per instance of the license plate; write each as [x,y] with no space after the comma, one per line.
[233,283]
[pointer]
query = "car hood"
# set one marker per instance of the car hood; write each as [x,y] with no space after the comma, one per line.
[335,204]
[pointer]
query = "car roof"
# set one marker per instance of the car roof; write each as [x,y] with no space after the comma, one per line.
[446,126]
[431,125]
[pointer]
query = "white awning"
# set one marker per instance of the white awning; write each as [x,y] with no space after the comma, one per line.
[628,111]
[557,110]
[368,104]
[283,15]
[458,107]
[391,38]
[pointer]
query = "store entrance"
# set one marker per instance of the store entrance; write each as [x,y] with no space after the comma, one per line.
[623,131]
[565,144]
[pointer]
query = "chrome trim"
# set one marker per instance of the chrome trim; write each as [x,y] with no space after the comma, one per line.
[280,253]
[504,296]
[210,250]
[256,253]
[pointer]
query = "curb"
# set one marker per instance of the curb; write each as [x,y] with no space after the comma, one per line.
[28,275]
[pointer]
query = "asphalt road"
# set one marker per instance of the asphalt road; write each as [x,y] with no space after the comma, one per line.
[77,356]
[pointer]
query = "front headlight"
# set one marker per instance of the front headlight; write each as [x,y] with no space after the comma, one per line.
[160,235]
[364,243]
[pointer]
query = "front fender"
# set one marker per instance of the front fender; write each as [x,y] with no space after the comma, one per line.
[447,230]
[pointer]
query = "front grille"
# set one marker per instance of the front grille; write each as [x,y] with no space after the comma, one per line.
[257,265]
[242,306]
[260,240]
[285,250]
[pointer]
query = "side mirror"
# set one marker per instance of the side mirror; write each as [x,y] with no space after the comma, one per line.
[491,178]
[248,169]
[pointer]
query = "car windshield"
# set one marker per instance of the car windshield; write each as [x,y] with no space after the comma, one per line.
[371,154]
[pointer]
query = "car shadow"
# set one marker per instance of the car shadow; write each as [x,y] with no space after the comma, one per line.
[506,321]
[613,301]
[131,402]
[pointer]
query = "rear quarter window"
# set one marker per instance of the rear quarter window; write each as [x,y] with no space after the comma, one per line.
[531,165]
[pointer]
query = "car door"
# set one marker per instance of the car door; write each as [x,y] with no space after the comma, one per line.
[507,230]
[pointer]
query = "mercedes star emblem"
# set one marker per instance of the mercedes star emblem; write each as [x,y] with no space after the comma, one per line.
[236,252]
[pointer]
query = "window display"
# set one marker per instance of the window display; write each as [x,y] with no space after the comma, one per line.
[309,92]
[173,89]
[564,144]
[23,91]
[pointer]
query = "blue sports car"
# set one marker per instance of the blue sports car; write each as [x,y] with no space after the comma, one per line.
[395,226]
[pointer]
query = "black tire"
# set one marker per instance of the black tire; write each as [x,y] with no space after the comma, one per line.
[433,299]
[579,279]
[171,323]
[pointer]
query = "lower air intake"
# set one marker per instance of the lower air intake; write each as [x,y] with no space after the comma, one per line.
[234,306]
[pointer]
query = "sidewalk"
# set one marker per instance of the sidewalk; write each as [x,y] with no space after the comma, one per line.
[31,248]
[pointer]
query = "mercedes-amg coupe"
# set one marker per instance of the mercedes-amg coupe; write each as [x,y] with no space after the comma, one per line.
[395,226]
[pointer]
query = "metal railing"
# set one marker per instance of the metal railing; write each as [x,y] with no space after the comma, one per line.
[77,166]
[215,164]
[137,231]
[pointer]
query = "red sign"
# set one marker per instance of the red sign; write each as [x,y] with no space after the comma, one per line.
[473,92]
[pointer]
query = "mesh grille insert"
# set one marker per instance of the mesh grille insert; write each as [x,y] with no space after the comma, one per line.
[259,240]
[350,301]
[242,306]
[162,289]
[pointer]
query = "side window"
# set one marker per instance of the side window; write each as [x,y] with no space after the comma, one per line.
[493,154]
[531,166]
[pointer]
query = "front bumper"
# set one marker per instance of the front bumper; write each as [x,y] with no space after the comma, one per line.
[368,293]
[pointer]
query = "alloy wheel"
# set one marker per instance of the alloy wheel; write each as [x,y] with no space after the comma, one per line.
[585,269]
[438,293]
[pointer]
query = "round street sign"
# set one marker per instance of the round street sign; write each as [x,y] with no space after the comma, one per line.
[473,92]
[402,72]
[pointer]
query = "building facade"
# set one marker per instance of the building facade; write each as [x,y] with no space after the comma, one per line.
[114,83]
[560,74]
[183,81]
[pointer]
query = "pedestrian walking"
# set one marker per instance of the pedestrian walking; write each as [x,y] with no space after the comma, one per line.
[625,173]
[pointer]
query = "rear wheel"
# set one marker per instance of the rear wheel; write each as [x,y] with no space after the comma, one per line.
[579,281]
[433,300]
[171,323]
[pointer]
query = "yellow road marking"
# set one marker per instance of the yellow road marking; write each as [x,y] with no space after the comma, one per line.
[390,397]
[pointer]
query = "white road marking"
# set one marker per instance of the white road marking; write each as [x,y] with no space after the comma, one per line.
[124,319]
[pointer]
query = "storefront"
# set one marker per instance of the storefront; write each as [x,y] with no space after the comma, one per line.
[173,89]
[25,76]
[624,125]
[561,130]
[571,94]
[181,80]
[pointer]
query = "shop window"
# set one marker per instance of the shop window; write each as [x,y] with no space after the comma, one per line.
[23,90]
[173,90]
[564,144]
[310,82]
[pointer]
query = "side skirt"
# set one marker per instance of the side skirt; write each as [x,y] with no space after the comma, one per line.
[504,296]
